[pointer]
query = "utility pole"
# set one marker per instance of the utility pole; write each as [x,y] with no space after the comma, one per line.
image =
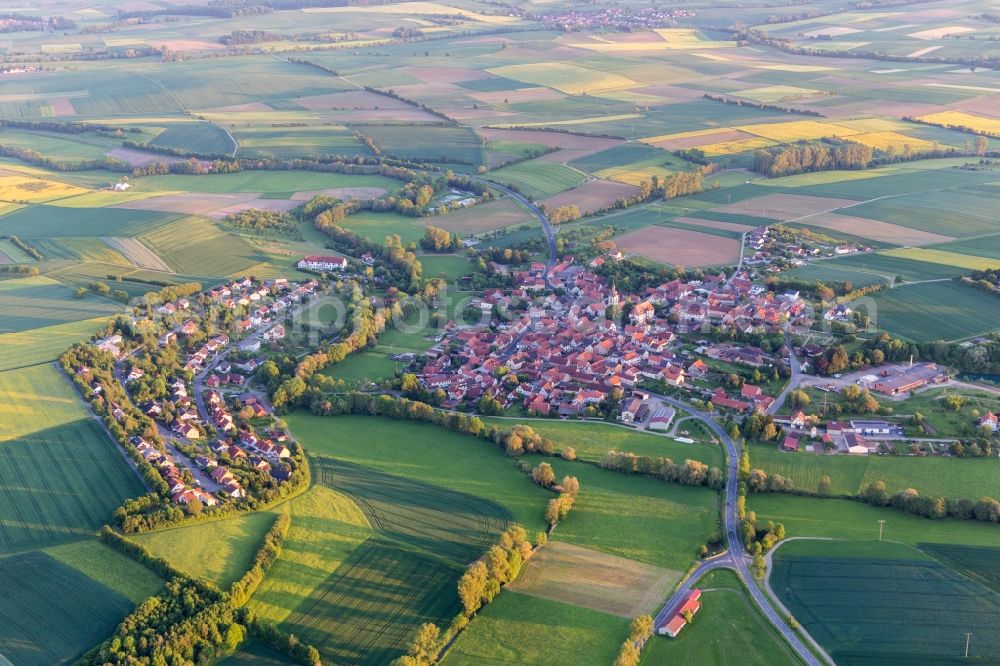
[967,637]
[881,524]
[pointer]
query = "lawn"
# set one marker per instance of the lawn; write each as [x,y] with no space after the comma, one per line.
[538,180]
[108,567]
[426,453]
[726,611]
[885,605]
[637,517]
[219,551]
[936,311]
[449,266]
[38,345]
[38,301]
[521,629]
[844,519]
[52,612]
[591,440]
[932,476]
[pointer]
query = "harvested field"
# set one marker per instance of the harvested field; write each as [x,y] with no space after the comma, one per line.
[734,147]
[784,206]
[714,224]
[140,158]
[477,219]
[557,139]
[591,196]
[62,106]
[680,247]
[272,205]
[344,193]
[960,119]
[564,77]
[520,96]
[940,33]
[798,130]
[351,99]
[137,253]
[686,140]
[25,189]
[592,579]
[193,203]
[886,140]
[875,229]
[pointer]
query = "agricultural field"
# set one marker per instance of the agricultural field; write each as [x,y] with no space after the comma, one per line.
[46,221]
[203,138]
[936,311]
[197,246]
[971,478]
[219,552]
[447,145]
[680,247]
[523,629]
[51,612]
[45,343]
[884,601]
[591,441]
[537,179]
[726,611]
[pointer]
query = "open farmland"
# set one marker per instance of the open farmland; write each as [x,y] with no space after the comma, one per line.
[197,246]
[889,605]
[537,179]
[565,77]
[726,611]
[51,612]
[52,222]
[595,580]
[936,311]
[432,143]
[592,196]
[931,476]
[482,218]
[680,247]
[26,189]
[33,302]
[196,138]
[522,629]
[45,343]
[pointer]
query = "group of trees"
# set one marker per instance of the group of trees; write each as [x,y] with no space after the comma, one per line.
[255,219]
[818,156]
[640,631]
[190,621]
[978,357]
[691,473]
[985,509]
[437,239]
[762,105]
[27,249]
[501,564]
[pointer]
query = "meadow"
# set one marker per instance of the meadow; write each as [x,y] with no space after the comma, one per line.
[219,551]
[522,629]
[936,311]
[198,246]
[726,610]
[592,440]
[44,221]
[932,476]
[51,612]
[45,343]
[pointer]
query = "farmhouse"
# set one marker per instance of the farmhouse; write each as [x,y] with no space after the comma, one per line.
[991,421]
[677,622]
[320,263]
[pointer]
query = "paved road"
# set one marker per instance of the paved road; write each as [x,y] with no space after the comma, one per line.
[550,235]
[793,381]
[735,558]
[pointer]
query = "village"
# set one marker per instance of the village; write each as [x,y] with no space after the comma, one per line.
[219,435]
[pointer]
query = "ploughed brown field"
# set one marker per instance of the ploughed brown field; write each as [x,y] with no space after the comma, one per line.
[680,247]
[591,196]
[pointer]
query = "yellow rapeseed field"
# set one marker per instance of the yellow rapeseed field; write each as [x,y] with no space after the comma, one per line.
[733,147]
[885,140]
[960,119]
[24,189]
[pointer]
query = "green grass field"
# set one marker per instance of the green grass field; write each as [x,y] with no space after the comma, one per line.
[449,266]
[868,605]
[51,612]
[844,519]
[521,629]
[219,552]
[432,143]
[39,345]
[426,453]
[376,226]
[979,563]
[44,221]
[34,302]
[290,142]
[108,567]
[538,180]
[591,440]
[829,272]
[932,476]
[198,246]
[198,138]
[636,517]
[936,311]
[891,267]
[726,610]
[618,156]
[261,181]
[957,213]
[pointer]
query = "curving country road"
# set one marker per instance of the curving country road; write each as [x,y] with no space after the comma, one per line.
[735,558]
[550,235]
[793,380]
